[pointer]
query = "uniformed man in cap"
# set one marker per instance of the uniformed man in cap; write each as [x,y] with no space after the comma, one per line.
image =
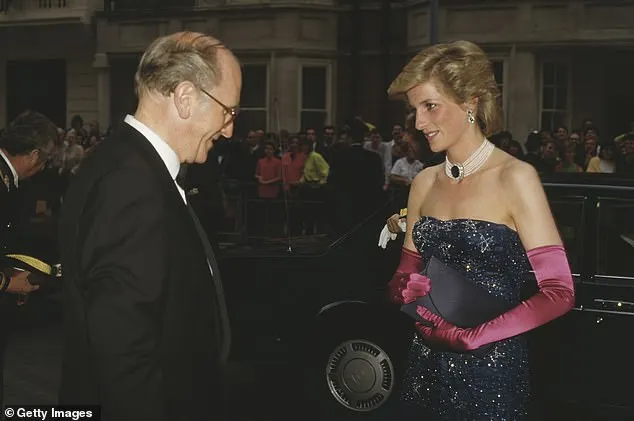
[25,147]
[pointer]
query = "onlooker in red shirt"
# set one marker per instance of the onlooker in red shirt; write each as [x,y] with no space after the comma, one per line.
[293,164]
[269,173]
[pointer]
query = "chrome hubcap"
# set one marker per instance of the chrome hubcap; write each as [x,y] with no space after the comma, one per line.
[360,375]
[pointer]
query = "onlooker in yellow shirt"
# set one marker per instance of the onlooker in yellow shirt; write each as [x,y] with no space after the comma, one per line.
[604,162]
[316,168]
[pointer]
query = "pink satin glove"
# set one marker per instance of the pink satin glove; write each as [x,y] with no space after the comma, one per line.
[417,286]
[443,334]
[411,262]
[555,298]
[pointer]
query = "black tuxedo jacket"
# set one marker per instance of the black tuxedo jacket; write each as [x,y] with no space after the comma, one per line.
[356,182]
[146,327]
[8,208]
[357,171]
[8,214]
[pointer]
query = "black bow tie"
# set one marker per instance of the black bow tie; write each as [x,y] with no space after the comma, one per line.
[180,180]
[180,177]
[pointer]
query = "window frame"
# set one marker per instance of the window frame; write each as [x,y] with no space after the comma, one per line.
[329,66]
[505,77]
[569,96]
[267,97]
[602,201]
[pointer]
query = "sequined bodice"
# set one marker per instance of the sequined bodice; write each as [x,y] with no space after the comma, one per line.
[448,386]
[490,254]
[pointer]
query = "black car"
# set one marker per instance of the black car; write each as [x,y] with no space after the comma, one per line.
[583,358]
[321,304]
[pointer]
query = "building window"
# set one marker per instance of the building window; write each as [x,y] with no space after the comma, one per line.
[315,97]
[554,96]
[254,99]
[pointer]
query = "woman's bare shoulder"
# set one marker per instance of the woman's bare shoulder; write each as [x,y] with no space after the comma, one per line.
[515,172]
[528,205]
[426,177]
[421,185]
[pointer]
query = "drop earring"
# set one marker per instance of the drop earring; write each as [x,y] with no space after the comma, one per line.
[470,117]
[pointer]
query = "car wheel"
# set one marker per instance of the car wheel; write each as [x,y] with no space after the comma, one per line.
[359,374]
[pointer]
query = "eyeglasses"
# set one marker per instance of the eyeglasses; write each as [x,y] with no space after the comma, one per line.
[229,113]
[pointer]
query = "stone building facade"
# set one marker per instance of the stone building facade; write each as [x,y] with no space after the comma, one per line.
[315,62]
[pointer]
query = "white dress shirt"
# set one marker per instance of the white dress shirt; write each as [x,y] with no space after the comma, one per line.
[403,168]
[13,171]
[167,154]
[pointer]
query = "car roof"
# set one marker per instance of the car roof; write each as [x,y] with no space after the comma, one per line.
[588,181]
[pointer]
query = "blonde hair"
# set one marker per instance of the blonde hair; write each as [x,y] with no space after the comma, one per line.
[178,57]
[463,72]
[410,122]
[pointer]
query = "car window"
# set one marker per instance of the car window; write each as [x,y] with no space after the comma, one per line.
[568,214]
[615,238]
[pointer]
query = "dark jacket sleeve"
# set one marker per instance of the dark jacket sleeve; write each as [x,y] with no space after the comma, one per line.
[7,234]
[333,174]
[124,272]
[377,174]
[4,283]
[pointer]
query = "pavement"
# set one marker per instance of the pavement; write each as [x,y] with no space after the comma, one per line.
[33,357]
[259,390]
[32,371]
[33,366]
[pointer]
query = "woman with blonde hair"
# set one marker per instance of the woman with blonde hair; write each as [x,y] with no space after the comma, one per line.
[484,214]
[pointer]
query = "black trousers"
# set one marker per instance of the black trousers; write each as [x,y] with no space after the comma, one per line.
[5,333]
[3,346]
[313,199]
[8,317]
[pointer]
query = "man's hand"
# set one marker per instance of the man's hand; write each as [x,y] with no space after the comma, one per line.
[392,224]
[19,284]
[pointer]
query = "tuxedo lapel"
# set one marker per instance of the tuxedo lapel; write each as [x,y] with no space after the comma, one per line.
[221,306]
[133,137]
[192,224]
[8,181]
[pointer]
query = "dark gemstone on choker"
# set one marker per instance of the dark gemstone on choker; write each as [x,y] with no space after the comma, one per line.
[455,171]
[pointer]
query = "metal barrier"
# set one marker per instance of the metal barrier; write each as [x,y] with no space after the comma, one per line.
[302,211]
[297,212]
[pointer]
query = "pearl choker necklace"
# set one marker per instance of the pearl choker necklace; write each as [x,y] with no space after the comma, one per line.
[459,171]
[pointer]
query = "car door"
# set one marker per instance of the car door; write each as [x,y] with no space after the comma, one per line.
[554,354]
[608,304]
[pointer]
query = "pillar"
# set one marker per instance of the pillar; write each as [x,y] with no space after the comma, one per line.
[523,94]
[284,97]
[101,65]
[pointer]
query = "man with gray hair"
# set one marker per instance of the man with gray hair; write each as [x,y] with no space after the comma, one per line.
[147,329]
[25,147]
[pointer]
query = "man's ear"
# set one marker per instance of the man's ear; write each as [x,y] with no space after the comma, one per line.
[184,97]
[34,155]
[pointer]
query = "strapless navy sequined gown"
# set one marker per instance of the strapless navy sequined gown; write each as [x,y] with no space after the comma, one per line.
[462,387]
